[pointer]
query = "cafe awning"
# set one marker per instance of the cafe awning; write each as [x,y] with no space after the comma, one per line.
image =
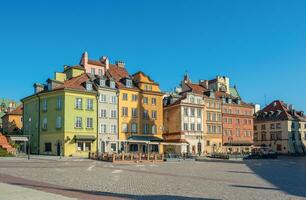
[238,143]
[143,139]
[85,137]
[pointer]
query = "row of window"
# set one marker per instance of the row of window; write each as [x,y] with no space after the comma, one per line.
[237,111]
[103,83]
[79,104]
[112,113]
[133,128]
[214,129]
[213,116]
[81,146]
[112,129]
[190,112]
[272,126]
[58,122]
[145,113]
[214,105]
[229,132]
[197,100]
[103,98]
[145,100]
[59,104]
[227,120]
[192,127]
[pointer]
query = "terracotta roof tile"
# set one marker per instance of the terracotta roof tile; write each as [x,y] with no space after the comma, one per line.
[75,83]
[17,111]
[95,62]
[196,88]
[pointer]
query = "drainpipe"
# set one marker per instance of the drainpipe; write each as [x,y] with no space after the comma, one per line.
[97,113]
[38,133]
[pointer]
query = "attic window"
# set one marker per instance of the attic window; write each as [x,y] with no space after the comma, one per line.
[128,83]
[112,84]
[102,83]
[88,86]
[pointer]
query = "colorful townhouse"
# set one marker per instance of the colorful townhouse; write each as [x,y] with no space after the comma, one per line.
[61,116]
[280,127]
[183,123]
[12,121]
[139,108]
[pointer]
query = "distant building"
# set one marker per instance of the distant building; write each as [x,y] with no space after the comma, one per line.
[281,127]
[7,105]
[12,121]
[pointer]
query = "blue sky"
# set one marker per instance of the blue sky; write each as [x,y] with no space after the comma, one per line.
[260,45]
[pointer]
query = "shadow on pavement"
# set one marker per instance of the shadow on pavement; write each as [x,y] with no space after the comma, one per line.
[288,174]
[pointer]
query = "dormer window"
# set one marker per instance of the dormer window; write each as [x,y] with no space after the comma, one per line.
[102,83]
[88,86]
[112,84]
[128,83]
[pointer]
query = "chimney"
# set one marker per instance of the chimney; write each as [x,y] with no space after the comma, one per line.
[105,60]
[120,64]
[84,59]
[204,83]
[38,87]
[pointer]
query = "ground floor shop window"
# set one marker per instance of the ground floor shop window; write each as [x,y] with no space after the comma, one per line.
[133,147]
[113,147]
[48,147]
[84,146]
[154,148]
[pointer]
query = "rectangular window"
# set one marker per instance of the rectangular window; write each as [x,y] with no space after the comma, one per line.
[192,127]
[89,86]
[134,97]
[89,104]
[209,128]
[134,128]
[89,122]
[219,117]
[100,73]
[199,113]
[78,103]
[263,127]
[48,147]
[154,114]
[208,116]
[45,123]
[237,132]
[153,129]
[134,112]
[103,128]
[93,71]
[214,128]
[113,129]
[103,113]
[102,83]
[112,84]
[80,146]
[125,128]
[219,129]
[145,100]
[124,96]
[113,113]
[272,126]
[230,121]
[185,126]
[128,83]
[199,127]
[59,103]
[102,98]
[78,122]
[45,105]
[145,114]
[192,112]
[125,111]
[278,125]
[214,117]
[58,122]
[114,100]
[145,128]
[153,101]
[113,147]
[186,112]
[237,121]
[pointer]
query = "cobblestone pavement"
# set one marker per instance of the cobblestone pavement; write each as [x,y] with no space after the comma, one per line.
[284,178]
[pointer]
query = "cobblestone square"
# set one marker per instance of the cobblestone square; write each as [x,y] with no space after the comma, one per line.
[283,178]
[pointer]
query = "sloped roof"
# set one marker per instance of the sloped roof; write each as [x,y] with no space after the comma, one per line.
[76,83]
[17,111]
[278,110]
[196,88]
